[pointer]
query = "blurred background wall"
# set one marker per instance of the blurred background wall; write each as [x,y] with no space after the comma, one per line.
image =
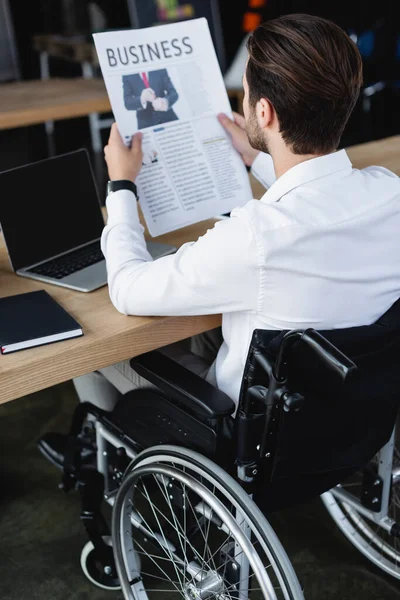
[373,26]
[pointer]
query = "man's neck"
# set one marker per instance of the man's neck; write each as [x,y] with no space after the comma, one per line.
[284,160]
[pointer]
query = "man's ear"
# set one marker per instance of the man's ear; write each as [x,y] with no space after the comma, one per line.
[265,113]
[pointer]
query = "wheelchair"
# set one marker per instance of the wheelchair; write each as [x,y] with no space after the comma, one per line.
[190,484]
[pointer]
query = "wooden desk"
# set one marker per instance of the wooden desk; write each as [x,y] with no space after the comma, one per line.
[26,103]
[72,48]
[31,102]
[109,336]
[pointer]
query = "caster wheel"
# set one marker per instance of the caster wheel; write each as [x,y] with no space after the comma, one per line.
[94,569]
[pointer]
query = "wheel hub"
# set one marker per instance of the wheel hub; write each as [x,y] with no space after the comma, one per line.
[210,585]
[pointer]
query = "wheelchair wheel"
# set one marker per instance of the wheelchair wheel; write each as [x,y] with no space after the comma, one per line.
[372,540]
[196,532]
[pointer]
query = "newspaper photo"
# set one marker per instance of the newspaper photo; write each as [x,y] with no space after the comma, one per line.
[166,82]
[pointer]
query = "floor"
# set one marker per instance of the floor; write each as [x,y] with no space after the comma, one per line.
[41,536]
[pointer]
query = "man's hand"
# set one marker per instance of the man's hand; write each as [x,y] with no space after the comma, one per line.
[240,141]
[123,162]
[160,104]
[148,95]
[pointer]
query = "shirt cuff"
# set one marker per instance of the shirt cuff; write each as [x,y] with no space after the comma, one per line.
[263,169]
[122,208]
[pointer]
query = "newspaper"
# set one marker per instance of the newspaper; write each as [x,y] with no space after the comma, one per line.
[166,82]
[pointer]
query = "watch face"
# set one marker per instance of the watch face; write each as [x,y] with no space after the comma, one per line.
[109,188]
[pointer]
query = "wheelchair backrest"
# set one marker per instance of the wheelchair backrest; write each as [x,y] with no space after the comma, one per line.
[339,427]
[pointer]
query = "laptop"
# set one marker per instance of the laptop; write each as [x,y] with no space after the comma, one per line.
[52,222]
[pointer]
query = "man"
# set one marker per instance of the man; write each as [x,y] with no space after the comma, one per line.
[320,249]
[152,95]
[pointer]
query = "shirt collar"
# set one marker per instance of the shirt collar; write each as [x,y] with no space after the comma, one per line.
[307,171]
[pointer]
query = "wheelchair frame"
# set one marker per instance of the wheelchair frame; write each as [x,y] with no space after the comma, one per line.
[251,460]
[381,488]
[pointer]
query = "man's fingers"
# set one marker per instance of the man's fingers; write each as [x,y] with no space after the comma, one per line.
[115,136]
[227,123]
[136,147]
[239,120]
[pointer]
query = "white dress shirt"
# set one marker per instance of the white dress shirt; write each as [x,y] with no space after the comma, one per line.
[321,249]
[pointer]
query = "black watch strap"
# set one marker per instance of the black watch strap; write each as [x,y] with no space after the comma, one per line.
[121,184]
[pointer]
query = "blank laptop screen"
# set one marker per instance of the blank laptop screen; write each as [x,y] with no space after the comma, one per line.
[49,207]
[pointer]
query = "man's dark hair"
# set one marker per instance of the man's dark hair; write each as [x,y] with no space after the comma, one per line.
[311,72]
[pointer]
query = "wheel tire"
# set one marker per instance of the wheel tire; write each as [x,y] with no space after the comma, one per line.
[164,456]
[359,531]
[93,571]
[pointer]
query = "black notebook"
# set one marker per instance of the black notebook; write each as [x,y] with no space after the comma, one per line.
[34,319]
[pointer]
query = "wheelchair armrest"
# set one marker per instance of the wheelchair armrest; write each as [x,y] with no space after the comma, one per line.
[180,384]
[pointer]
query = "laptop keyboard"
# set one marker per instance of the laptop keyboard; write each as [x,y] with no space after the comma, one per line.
[71,262]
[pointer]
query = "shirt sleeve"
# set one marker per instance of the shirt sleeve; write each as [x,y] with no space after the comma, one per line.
[263,169]
[217,274]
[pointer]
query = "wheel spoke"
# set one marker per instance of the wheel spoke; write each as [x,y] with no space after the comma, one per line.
[164,548]
[168,579]
[161,591]
[177,526]
[226,541]
[169,522]
[202,562]
[184,522]
[155,556]
[206,546]
[162,571]
[163,536]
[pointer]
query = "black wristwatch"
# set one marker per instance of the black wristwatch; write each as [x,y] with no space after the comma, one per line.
[121,184]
